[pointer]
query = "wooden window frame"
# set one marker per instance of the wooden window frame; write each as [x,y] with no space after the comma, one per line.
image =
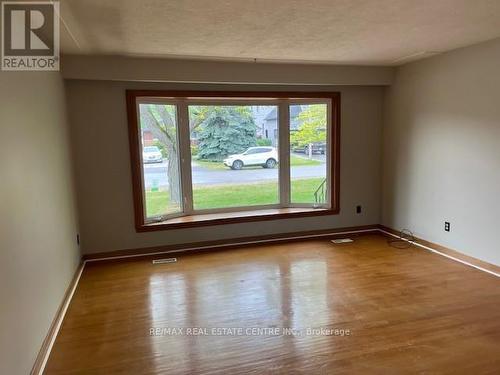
[243,214]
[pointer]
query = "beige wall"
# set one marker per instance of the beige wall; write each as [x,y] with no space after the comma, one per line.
[99,134]
[442,150]
[119,68]
[38,252]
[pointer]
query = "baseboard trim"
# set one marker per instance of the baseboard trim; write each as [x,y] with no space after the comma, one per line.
[48,343]
[300,236]
[229,243]
[447,252]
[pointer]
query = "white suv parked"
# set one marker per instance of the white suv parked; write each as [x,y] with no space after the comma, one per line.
[267,157]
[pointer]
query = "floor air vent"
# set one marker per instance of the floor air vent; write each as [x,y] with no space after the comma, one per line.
[166,260]
[342,240]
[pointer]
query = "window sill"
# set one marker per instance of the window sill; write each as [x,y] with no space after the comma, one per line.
[235,217]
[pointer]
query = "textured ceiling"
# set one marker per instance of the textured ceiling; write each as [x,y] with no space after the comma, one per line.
[378,32]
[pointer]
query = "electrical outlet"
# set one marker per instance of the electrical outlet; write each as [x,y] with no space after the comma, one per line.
[358,209]
[447,226]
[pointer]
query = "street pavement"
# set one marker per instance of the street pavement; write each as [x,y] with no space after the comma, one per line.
[156,174]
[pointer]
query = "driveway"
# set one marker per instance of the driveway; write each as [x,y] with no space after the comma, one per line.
[156,174]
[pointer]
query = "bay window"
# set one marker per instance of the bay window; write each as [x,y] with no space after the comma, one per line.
[203,158]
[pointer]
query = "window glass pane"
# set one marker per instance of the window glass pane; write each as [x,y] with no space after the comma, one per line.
[308,153]
[160,159]
[228,167]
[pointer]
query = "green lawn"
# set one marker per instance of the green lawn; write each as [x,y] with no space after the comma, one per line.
[220,196]
[210,164]
[294,162]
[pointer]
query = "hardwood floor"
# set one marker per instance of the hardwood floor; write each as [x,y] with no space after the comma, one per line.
[407,311]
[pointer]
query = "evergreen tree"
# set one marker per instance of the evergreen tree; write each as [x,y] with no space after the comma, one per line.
[226,130]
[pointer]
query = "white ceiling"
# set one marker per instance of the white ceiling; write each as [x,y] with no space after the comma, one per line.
[375,32]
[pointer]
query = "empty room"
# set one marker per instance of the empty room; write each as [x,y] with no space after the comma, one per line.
[250,187]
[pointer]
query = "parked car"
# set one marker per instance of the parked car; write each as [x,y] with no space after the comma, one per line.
[267,157]
[151,154]
[317,148]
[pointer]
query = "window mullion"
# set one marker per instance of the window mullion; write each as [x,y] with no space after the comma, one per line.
[284,152]
[185,158]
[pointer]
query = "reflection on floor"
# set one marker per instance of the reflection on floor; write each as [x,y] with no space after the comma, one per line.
[305,307]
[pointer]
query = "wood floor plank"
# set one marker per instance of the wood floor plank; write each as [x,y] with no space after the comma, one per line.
[407,311]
